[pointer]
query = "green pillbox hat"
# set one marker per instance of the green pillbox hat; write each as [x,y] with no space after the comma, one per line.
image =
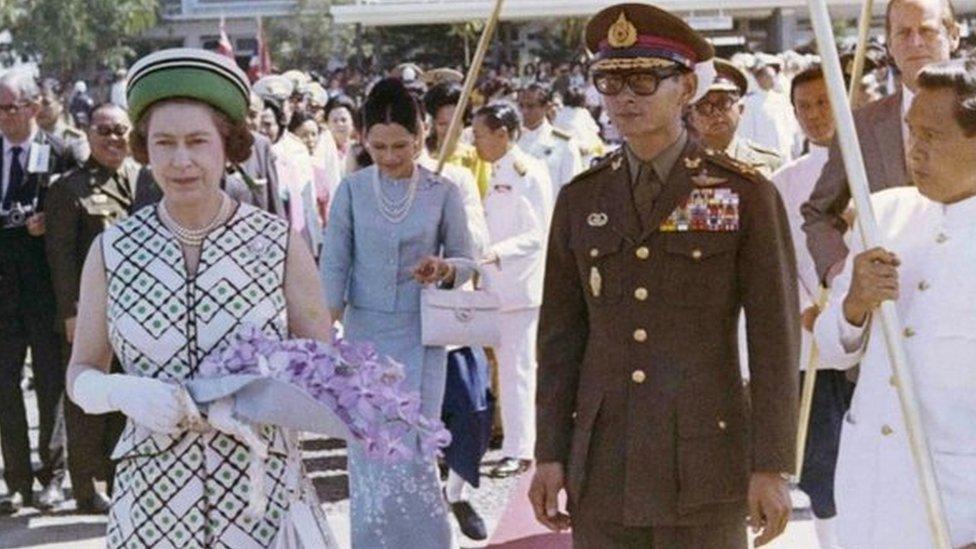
[185,73]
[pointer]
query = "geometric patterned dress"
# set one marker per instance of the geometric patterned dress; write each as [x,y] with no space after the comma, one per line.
[191,489]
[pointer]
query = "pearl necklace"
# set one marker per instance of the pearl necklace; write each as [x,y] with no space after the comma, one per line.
[395,210]
[194,238]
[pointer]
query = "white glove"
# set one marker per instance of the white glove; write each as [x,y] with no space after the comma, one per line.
[149,402]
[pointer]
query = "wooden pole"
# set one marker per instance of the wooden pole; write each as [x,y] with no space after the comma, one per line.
[454,130]
[887,315]
[806,396]
[810,375]
[857,71]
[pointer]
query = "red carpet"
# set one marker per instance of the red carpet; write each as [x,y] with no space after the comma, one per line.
[518,529]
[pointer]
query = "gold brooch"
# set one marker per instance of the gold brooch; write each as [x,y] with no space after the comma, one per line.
[622,34]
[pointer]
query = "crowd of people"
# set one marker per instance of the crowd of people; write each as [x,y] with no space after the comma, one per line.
[668,234]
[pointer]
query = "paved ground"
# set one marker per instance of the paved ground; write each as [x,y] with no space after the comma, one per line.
[326,463]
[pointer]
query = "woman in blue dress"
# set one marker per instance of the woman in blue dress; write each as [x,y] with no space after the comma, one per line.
[394,227]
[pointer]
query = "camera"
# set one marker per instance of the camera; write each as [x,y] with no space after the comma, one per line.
[16,216]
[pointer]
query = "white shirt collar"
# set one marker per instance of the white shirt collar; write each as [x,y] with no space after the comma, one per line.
[907,96]
[24,145]
[817,150]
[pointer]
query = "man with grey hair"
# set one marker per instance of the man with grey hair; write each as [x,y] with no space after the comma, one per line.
[29,158]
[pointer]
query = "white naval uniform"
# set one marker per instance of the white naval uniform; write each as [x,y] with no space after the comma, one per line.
[557,149]
[878,497]
[578,122]
[769,121]
[795,182]
[517,207]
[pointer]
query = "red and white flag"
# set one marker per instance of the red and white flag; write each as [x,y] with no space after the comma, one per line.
[260,64]
[224,47]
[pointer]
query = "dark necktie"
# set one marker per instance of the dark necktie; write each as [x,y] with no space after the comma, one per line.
[16,178]
[646,189]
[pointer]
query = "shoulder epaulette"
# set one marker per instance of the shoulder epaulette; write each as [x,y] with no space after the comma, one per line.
[723,160]
[762,150]
[560,134]
[613,160]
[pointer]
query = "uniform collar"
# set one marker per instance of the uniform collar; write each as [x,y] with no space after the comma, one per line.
[960,214]
[539,132]
[733,147]
[662,163]
[512,156]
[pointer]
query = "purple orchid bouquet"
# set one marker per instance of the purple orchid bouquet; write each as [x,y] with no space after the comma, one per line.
[360,386]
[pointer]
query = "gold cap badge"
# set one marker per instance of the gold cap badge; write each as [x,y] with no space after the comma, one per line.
[622,34]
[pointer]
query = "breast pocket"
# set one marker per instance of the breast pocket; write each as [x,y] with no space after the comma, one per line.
[699,268]
[600,268]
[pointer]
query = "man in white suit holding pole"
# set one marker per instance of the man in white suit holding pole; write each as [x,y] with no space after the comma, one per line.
[928,271]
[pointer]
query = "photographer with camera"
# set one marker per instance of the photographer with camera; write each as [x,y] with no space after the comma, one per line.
[29,159]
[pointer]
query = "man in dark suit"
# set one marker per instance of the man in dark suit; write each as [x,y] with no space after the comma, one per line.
[30,158]
[642,417]
[79,206]
[919,32]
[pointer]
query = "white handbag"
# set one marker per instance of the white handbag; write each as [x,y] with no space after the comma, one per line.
[460,317]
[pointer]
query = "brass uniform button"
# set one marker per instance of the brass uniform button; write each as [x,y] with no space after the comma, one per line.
[640,335]
[909,332]
[886,430]
[722,425]
[640,294]
[643,252]
[696,254]
[941,238]
[923,285]
[594,252]
[892,381]
[638,376]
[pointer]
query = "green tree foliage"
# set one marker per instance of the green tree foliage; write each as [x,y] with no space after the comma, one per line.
[306,39]
[75,37]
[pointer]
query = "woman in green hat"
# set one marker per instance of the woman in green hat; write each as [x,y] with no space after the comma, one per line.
[164,288]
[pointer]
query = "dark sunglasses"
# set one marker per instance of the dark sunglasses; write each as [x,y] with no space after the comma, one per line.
[639,82]
[118,130]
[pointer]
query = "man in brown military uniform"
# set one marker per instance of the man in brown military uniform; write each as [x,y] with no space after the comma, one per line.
[652,254]
[80,206]
[716,117]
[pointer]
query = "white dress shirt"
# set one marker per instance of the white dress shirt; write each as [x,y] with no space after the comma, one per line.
[907,96]
[561,156]
[768,120]
[795,182]
[878,498]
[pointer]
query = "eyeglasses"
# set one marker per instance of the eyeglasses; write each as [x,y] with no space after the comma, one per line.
[118,130]
[709,108]
[13,108]
[641,83]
